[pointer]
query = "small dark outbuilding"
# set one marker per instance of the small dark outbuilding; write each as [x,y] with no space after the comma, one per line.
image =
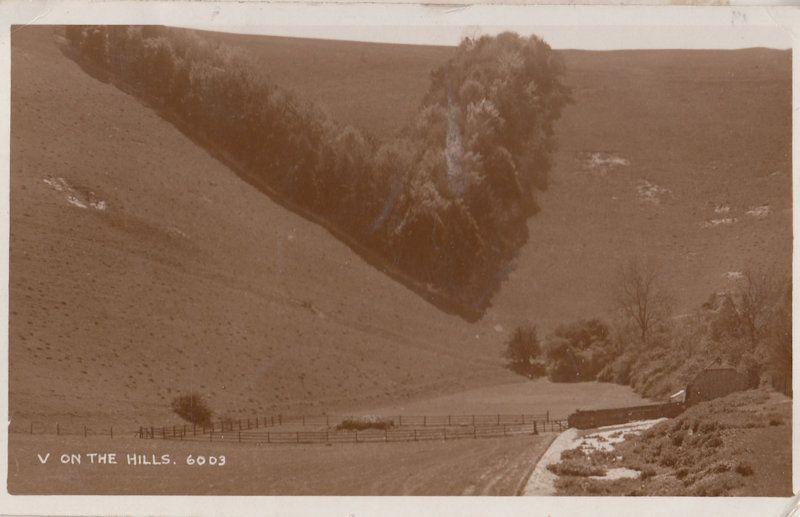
[713,383]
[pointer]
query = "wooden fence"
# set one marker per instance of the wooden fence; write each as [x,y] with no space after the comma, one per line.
[67,430]
[247,424]
[368,436]
[426,427]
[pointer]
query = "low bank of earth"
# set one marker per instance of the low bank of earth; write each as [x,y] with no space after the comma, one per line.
[739,445]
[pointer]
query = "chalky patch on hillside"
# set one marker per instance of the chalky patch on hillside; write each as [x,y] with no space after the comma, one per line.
[649,192]
[724,221]
[759,212]
[74,196]
[602,162]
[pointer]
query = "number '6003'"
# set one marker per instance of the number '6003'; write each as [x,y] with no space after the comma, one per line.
[205,460]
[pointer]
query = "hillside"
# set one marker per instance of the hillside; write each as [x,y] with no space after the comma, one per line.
[142,267]
[669,153]
[129,242]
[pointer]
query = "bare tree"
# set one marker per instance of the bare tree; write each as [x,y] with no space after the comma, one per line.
[755,299]
[640,295]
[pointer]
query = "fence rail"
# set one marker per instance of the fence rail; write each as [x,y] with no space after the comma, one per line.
[68,430]
[369,436]
[403,428]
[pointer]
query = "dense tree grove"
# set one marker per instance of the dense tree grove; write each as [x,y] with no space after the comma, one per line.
[445,203]
[747,326]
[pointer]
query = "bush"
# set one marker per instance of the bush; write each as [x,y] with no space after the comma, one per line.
[647,473]
[192,408]
[743,468]
[575,468]
[578,351]
[363,423]
[714,485]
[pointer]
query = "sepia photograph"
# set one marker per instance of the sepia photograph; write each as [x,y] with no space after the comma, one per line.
[400,260]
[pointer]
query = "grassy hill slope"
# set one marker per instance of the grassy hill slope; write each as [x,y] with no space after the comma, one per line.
[685,144]
[262,310]
[141,267]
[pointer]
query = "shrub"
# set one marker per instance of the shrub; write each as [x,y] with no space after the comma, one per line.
[192,408]
[647,473]
[363,423]
[714,485]
[575,468]
[579,351]
[744,468]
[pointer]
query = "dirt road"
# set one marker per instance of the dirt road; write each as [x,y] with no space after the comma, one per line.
[491,466]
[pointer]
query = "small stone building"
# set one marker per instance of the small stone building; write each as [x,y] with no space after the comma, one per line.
[715,382]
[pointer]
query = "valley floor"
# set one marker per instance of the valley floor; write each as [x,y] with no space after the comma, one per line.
[492,466]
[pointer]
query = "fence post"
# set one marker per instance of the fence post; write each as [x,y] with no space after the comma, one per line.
[547,415]
[386,434]
[448,420]
[84,431]
[498,419]
[152,432]
[415,435]
[473,420]
[111,431]
[474,432]
[425,421]
[194,429]
[211,436]
[267,436]
[31,427]
[445,434]
[58,430]
[534,428]
[240,424]
[505,430]
[240,437]
[356,436]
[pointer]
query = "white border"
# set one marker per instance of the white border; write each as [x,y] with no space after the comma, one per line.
[221,14]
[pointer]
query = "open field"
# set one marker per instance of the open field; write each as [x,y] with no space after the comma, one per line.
[560,399]
[492,466]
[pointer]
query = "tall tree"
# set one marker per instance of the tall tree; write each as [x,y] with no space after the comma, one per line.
[640,294]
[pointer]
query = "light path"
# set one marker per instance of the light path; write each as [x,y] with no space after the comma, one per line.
[542,481]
